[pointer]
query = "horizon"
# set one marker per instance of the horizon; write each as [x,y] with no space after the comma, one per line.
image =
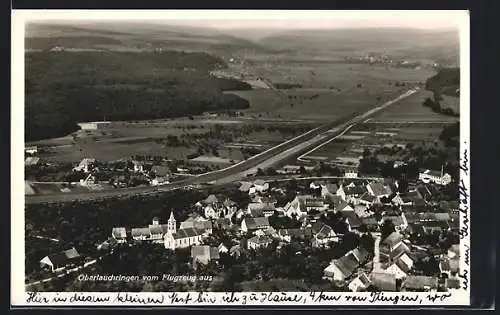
[260,20]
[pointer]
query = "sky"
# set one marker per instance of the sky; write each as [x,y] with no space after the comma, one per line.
[273,19]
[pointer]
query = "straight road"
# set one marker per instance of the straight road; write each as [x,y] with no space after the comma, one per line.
[239,171]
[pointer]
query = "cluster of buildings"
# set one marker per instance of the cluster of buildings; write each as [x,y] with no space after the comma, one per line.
[363,206]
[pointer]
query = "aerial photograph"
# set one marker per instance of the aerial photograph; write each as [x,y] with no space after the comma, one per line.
[242,155]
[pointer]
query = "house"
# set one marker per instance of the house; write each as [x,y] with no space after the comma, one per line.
[260,209]
[222,248]
[351,174]
[138,166]
[260,186]
[270,201]
[161,171]
[371,223]
[351,192]
[344,207]
[119,234]
[392,241]
[32,149]
[449,267]
[362,211]
[352,220]
[322,234]
[235,251]
[181,238]
[401,264]
[253,224]
[223,223]
[367,199]
[259,241]
[432,227]
[436,177]
[107,244]
[419,284]
[399,221]
[245,187]
[62,260]
[204,254]
[328,190]
[452,284]
[360,283]
[287,234]
[31,161]
[383,281]
[85,165]
[454,251]
[196,221]
[361,255]
[341,269]
[314,186]
[378,190]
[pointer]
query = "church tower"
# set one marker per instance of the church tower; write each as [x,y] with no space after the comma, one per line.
[171,225]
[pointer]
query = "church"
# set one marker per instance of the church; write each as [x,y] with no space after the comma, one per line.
[184,237]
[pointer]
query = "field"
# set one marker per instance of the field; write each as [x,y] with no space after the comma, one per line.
[174,139]
[412,110]
[329,90]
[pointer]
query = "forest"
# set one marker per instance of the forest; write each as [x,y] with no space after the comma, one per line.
[64,88]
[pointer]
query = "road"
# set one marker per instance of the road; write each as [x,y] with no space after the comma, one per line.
[239,171]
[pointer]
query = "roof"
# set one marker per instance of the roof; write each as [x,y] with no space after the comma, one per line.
[367,197]
[332,188]
[235,249]
[223,222]
[87,161]
[259,182]
[420,282]
[292,232]
[211,199]
[119,232]
[255,223]
[140,232]
[402,265]
[158,229]
[347,264]
[399,250]
[334,199]
[31,160]
[370,221]
[453,283]
[62,258]
[356,190]
[245,186]
[383,281]
[160,170]
[320,229]
[352,217]
[188,232]
[361,254]
[364,279]
[452,265]
[392,239]
[396,219]
[378,189]
[455,248]
[205,252]
[260,239]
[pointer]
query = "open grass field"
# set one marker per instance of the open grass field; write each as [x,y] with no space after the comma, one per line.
[412,110]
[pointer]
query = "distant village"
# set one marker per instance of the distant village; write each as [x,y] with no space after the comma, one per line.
[403,221]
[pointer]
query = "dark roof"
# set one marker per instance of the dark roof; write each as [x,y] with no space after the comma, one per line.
[396,219]
[256,223]
[378,189]
[453,283]
[187,232]
[347,264]
[392,239]
[367,197]
[352,218]
[140,232]
[223,222]
[356,190]
[332,188]
[420,282]
[399,250]
[361,254]
[205,252]
[160,170]
[383,281]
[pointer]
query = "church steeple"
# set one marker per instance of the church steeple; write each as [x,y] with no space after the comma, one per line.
[171,224]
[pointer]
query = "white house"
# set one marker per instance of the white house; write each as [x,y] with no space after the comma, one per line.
[84,165]
[32,149]
[351,174]
[361,282]
[439,178]
[260,186]
[59,261]
[181,238]
[259,241]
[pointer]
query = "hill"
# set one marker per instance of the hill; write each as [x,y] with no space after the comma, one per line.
[437,45]
[63,88]
[445,86]
[126,35]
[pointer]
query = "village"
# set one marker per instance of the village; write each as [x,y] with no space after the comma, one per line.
[394,235]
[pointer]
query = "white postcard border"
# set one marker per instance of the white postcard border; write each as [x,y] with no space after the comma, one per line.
[19,296]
